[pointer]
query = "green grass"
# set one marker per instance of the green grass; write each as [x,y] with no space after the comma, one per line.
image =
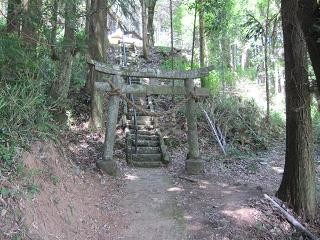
[24,104]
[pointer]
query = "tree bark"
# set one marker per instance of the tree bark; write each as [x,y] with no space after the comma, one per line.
[144,29]
[31,21]
[266,59]
[309,14]
[88,16]
[202,40]
[60,87]
[298,182]
[97,51]
[54,27]
[13,16]
[150,28]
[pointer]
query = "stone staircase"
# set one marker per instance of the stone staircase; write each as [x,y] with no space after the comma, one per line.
[144,144]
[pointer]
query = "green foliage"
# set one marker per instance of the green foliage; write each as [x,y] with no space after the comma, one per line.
[24,106]
[14,58]
[179,63]
[177,19]
[217,79]
[218,14]
[243,123]
[247,73]
[213,82]
[78,74]
[315,114]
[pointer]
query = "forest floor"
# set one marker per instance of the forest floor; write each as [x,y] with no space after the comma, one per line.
[74,200]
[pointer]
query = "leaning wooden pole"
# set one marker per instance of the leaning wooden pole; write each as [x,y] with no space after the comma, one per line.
[108,164]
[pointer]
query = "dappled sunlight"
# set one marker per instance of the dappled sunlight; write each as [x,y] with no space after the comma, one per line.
[187,217]
[175,189]
[277,169]
[131,177]
[195,227]
[243,216]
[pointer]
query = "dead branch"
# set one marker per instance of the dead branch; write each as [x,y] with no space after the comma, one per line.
[189,179]
[291,219]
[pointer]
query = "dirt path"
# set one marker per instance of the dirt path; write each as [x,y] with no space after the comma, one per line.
[150,207]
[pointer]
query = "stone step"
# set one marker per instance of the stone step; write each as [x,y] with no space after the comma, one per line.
[130,114]
[155,157]
[145,143]
[148,150]
[144,107]
[144,118]
[148,123]
[141,127]
[145,150]
[145,137]
[144,132]
[147,164]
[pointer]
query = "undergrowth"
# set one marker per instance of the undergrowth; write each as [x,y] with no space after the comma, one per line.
[180,63]
[243,124]
[24,105]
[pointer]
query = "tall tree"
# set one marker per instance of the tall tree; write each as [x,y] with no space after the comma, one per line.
[151,5]
[97,51]
[266,59]
[54,28]
[298,182]
[60,87]
[31,21]
[13,16]
[201,39]
[309,15]
[144,20]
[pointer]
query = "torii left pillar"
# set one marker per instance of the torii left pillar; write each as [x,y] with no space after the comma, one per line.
[108,164]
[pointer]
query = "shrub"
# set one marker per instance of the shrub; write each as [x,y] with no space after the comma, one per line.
[179,63]
[242,122]
[24,106]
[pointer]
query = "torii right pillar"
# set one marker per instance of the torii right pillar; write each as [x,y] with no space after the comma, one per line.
[194,164]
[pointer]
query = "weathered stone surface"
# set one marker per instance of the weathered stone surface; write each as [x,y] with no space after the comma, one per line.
[145,90]
[148,150]
[109,167]
[156,157]
[194,166]
[144,132]
[147,143]
[146,137]
[147,164]
[150,73]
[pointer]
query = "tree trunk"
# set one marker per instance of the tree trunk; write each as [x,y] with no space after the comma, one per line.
[298,182]
[88,16]
[144,29]
[13,16]
[54,27]
[309,14]
[150,27]
[97,51]
[266,65]
[31,21]
[60,87]
[202,41]
[193,37]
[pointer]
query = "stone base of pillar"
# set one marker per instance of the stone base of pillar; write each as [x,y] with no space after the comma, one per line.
[194,166]
[108,167]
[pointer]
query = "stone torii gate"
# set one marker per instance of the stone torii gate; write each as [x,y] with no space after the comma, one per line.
[194,164]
